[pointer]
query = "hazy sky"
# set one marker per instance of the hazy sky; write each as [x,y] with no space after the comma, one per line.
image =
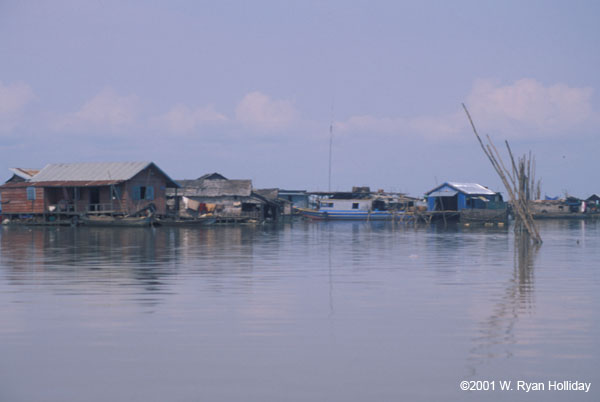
[248,89]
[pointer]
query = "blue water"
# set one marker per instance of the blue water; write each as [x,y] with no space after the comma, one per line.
[299,312]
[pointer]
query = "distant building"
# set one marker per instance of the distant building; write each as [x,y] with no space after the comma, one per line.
[467,202]
[452,196]
[227,199]
[112,188]
[557,207]
[298,198]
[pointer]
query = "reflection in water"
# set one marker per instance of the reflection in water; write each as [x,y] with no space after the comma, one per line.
[496,338]
[306,311]
[137,261]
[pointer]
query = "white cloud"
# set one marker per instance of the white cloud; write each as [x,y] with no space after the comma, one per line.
[106,111]
[258,110]
[530,108]
[13,99]
[524,109]
[182,119]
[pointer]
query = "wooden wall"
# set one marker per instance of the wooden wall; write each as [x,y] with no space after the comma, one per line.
[14,201]
[146,178]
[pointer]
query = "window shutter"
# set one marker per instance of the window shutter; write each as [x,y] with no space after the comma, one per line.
[150,192]
[136,193]
[31,193]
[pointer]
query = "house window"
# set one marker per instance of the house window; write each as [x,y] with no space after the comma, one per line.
[143,193]
[30,193]
[355,205]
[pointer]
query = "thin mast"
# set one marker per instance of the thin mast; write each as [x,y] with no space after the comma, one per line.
[330,146]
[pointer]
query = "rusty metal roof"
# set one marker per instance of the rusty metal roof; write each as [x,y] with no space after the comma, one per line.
[92,183]
[24,173]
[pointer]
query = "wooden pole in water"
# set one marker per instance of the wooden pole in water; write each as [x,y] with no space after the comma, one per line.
[517,188]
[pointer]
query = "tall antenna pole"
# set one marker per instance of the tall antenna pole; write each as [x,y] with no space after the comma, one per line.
[330,146]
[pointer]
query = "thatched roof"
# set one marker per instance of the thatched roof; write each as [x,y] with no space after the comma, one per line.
[215,188]
[270,193]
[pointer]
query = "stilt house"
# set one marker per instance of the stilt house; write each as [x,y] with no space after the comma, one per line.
[110,188]
[228,199]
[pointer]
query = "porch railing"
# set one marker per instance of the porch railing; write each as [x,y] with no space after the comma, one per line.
[100,208]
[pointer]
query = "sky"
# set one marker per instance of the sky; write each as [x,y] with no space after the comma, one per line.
[250,89]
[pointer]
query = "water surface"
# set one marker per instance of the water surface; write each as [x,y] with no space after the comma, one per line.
[300,312]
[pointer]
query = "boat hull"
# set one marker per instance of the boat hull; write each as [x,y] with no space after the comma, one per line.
[341,215]
[117,222]
[187,222]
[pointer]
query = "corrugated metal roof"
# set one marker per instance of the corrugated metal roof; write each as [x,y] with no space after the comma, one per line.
[69,183]
[471,188]
[466,188]
[90,171]
[443,193]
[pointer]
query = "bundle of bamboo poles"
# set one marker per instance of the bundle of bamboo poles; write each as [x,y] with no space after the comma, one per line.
[519,183]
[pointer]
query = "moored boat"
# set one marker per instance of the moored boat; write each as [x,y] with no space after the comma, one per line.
[200,221]
[358,206]
[126,221]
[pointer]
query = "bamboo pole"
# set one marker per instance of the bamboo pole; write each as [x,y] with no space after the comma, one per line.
[517,188]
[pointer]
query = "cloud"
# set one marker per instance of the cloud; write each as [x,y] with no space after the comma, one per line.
[530,108]
[524,109]
[258,110]
[182,119]
[106,111]
[13,99]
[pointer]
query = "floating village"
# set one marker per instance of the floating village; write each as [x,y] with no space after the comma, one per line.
[142,194]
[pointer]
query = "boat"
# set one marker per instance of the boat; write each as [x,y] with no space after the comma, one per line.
[200,221]
[126,221]
[355,206]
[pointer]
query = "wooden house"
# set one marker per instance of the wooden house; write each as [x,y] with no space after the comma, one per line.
[67,189]
[224,198]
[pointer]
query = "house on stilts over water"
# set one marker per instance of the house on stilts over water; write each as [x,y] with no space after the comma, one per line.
[228,201]
[64,192]
[466,202]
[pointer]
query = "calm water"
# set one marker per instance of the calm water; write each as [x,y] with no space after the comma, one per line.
[302,312]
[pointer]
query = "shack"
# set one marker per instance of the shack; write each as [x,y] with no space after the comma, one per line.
[66,190]
[562,208]
[274,195]
[228,200]
[468,202]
